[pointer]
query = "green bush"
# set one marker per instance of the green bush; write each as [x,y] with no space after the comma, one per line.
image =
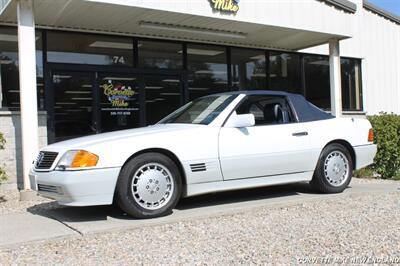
[387,137]
[3,175]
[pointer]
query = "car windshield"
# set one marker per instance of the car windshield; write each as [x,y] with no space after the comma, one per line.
[200,111]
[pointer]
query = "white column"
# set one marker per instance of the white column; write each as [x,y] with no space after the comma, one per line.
[27,86]
[335,77]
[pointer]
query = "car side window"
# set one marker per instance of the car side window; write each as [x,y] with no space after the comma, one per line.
[267,110]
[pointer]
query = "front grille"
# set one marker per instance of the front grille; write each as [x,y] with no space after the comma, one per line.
[45,160]
[49,189]
[198,167]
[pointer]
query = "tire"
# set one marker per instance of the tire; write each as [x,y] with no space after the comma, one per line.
[334,170]
[149,186]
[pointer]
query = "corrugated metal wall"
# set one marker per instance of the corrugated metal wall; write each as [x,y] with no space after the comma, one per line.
[377,41]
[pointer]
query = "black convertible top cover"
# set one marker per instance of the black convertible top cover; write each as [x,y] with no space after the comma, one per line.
[305,110]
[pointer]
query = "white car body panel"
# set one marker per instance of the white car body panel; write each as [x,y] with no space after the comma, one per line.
[263,151]
[233,158]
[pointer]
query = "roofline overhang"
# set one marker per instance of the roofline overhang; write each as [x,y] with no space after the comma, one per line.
[390,16]
[345,5]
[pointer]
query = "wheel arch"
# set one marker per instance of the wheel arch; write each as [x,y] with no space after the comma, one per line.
[165,152]
[348,146]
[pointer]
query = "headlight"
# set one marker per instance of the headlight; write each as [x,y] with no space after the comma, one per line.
[77,159]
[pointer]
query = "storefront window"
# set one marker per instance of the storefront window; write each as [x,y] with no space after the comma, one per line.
[79,48]
[351,84]
[208,72]
[9,73]
[317,82]
[165,55]
[72,105]
[248,69]
[285,72]
[163,96]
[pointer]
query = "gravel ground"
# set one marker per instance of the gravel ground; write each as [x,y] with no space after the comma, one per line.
[317,231]
[10,203]
[9,198]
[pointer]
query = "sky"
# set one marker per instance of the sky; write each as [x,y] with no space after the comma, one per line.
[392,6]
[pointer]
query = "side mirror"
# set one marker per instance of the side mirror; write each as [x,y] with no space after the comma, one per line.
[238,121]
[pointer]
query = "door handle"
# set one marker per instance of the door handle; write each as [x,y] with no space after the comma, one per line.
[300,134]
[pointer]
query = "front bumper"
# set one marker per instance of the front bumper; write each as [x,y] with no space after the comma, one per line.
[77,188]
[365,155]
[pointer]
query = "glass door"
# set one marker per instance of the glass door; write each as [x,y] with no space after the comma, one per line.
[119,102]
[72,110]
[163,96]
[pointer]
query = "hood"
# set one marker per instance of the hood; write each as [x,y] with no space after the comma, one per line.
[81,143]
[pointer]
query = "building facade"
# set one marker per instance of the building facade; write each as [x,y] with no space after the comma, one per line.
[81,67]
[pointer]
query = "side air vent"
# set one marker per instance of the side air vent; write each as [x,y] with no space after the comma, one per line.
[198,167]
[49,189]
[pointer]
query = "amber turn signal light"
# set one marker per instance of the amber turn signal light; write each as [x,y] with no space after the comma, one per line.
[371,135]
[84,159]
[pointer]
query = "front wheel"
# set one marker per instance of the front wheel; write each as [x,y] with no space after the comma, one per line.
[334,170]
[149,186]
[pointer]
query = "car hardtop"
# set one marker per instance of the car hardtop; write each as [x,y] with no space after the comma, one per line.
[303,109]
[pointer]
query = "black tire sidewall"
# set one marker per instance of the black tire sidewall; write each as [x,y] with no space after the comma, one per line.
[124,193]
[319,180]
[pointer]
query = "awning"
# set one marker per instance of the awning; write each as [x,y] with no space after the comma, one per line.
[124,19]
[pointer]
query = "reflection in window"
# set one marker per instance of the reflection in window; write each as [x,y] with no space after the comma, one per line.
[73,105]
[9,73]
[285,72]
[248,69]
[160,55]
[316,70]
[351,84]
[207,70]
[79,48]
[163,96]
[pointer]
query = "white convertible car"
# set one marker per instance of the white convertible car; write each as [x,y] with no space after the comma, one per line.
[219,142]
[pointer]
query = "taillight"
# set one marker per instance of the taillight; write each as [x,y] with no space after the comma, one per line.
[371,135]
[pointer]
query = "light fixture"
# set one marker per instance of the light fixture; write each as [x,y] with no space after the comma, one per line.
[113,45]
[5,62]
[258,57]
[12,38]
[193,51]
[170,94]
[78,92]
[171,80]
[320,62]
[118,78]
[153,88]
[259,75]
[62,77]
[81,99]
[191,29]
[215,72]
[65,103]
[199,89]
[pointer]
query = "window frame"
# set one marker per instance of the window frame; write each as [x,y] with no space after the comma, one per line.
[291,109]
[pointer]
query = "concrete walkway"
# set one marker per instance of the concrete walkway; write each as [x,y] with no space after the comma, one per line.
[33,225]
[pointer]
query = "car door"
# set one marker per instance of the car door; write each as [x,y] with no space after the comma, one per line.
[275,145]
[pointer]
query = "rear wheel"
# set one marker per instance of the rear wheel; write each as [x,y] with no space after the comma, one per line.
[149,186]
[334,170]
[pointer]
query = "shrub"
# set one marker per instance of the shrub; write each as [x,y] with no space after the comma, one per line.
[3,175]
[387,137]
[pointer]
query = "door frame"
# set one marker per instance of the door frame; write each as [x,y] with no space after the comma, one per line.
[98,71]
